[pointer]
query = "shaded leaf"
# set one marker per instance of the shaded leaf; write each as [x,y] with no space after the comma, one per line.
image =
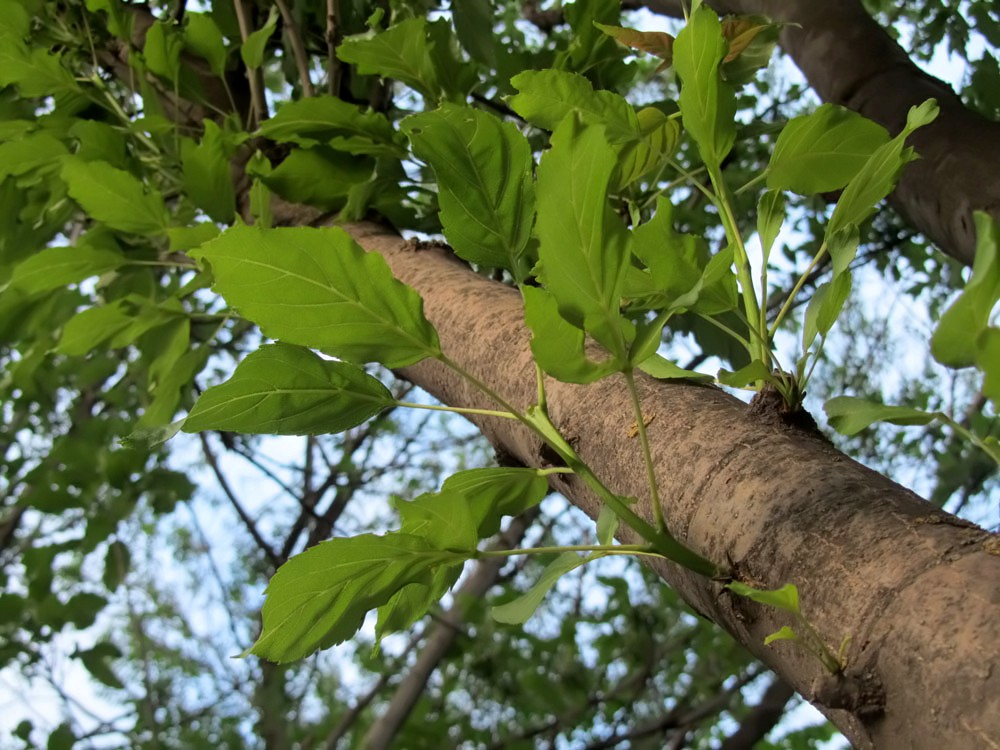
[824,308]
[114,196]
[56,267]
[518,611]
[495,492]
[329,121]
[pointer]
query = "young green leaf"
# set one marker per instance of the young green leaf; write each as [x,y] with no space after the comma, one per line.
[823,151]
[546,97]
[784,633]
[663,369]
[486,192]
[786,598]
[518,611]
[877,177]
[676,262]
[318,288]
[988,360]
[707,103]
[162,50]
[327,120]
[495,492]
[770,216]
[954,343]
[558,345]
[824,308]
[55,267]
[288,390]
[849,415]
[320,597]
[584,246]
[751,373]
[114,196]
[253,48]
[203,38]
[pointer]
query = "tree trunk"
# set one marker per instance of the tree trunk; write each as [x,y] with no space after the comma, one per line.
[849,59]
[912,587]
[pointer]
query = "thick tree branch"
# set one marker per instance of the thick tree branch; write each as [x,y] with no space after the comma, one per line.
[782,504]
[850,60]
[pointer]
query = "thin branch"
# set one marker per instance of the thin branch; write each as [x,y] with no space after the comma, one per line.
[762,718]
[259,540]
[255,80]
[333,69]
[298,48]
[383,731]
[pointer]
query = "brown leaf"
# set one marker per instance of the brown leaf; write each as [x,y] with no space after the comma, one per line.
[740,32]
[657,43]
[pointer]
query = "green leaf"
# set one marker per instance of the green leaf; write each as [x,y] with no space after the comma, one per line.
[843,247]
[319,176]
[663,369]
[988,343]
[547,97]
[327,120]
[207,180]
[676,262]
[518,611]
[783,633]
[849,415]
[443,519]
[824,308]
[823,151]
[786,598]
[186,238]
[320,597]
[607,525]
[61,738]
[770,216]
[288,390]
[95,661]
[117,325]
[707,103]
[117,562]
[203,37]
[56,267]
[253,48]
[751,373]
[486,192]
[162,50]
[496,492]
[114,197]
[955,341]
[318,288]
[875,180]
[558,345]
[474,28]
[584,246]
[415,53]
[33,151]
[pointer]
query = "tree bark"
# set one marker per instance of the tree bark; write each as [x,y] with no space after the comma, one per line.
[850,60]
[914,589]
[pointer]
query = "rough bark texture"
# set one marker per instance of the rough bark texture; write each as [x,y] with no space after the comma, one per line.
[849,59]
[914,588]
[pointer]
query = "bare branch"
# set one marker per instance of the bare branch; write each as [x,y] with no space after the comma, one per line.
[298,48]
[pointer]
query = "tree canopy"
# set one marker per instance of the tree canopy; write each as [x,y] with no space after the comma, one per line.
[519,350]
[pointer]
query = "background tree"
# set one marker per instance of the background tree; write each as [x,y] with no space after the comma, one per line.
[126,128]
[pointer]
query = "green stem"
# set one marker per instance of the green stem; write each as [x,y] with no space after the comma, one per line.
[662,541]
[797,288]
[759,348]
[725,329]
[647,455]
[457,409]
[604,549]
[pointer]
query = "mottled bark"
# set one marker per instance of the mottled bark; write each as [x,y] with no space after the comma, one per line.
[914,588]
[849,59]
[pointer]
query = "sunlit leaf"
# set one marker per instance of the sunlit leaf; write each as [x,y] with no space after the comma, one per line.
[485,187]
[114,196]
[318,288]
[786,598]
[288,390]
